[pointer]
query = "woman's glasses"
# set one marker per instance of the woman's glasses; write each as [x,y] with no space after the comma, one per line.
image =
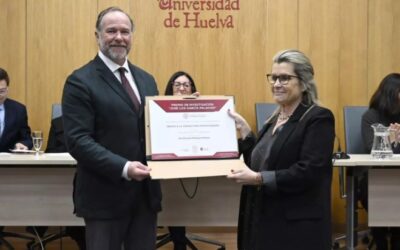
[283,79]
[181,84]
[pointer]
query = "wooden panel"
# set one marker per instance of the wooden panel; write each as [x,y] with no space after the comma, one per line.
[319,39]
[282,18]
[282,26]
[383,41]
[42,196]
[103,4]
[13,46]
[221,60]
[37,196]
[60,37]
[353,56]
[206,209]
[353,52]
[352,72]
[383,197]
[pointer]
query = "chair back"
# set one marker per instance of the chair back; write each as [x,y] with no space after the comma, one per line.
[263,111]
[352,129]
[56,111]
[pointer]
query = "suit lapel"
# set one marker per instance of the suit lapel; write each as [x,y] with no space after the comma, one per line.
[265,128]
[110,79]
[8,118]
[284,134]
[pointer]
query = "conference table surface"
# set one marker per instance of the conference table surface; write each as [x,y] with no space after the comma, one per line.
[365,160]
[380,171]
[33,160]
[37,190]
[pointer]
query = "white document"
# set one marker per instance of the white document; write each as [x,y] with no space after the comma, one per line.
[192,129]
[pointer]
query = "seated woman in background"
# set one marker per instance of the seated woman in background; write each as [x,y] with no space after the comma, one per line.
[286,195]
[384,108]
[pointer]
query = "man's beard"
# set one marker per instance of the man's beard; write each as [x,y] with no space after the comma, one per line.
[114,55]
[117,55]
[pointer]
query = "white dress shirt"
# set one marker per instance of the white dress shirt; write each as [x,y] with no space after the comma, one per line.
[114,68]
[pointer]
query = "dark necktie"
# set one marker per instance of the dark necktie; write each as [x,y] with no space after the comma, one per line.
[128,89]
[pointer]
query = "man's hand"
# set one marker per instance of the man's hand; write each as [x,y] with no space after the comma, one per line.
[138,171]
[20,146]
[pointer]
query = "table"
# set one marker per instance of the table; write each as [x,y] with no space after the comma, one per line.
[32,160]
[383,187]
[38,191]
[384,197]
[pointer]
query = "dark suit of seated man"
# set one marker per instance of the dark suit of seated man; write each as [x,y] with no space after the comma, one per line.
[14,130]
[56,144]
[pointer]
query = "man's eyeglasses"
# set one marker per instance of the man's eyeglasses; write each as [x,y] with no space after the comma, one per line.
[283,79]
[179,84]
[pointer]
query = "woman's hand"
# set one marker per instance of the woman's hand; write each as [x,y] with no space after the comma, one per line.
[245,176]
[241,124]
[395,136]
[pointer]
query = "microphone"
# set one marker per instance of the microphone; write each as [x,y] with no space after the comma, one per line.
[339,154]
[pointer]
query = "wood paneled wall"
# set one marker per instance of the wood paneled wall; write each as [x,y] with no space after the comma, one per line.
[353,44]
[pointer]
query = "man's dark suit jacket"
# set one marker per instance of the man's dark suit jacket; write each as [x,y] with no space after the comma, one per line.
[16,127]
[103,131]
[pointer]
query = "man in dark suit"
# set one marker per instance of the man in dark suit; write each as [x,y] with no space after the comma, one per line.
[103,116]
[14,130]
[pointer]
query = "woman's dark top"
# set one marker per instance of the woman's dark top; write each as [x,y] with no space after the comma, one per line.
[292,209]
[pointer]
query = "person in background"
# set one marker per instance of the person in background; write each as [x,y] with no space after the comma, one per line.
[14,130]
[180,83]
[286,195]
[103,117]
[56,140]
[384,108]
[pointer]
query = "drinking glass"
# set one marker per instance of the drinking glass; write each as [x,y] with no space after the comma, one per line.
[37,139]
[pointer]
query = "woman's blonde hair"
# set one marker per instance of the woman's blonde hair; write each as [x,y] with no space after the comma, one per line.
[304,70]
